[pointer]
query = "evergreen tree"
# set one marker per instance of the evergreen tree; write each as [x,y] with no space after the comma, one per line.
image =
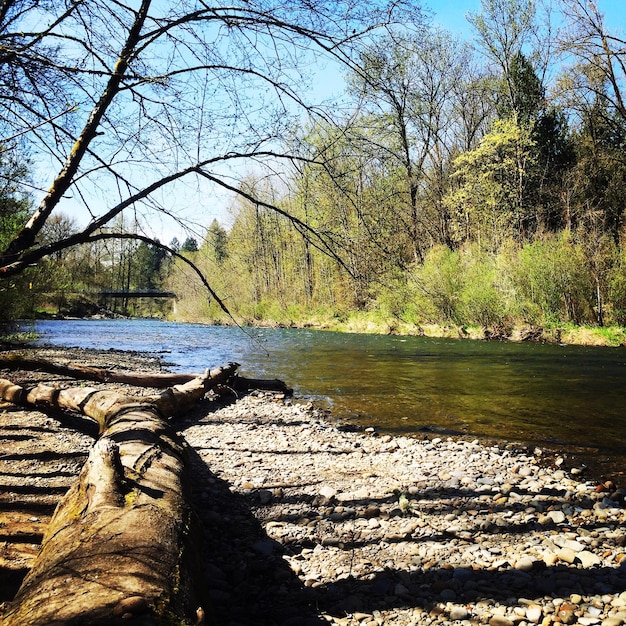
[189,245]
[15,206]
[521,92]
[146,266]
[217,242]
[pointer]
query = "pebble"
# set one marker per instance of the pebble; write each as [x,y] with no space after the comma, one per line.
[458,613]
[382,529]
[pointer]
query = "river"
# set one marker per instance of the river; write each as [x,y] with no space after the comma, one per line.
[571,398]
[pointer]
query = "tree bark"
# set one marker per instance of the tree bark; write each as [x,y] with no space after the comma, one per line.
[122,542]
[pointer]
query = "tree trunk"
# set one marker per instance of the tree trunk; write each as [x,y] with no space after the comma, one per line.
[123,541]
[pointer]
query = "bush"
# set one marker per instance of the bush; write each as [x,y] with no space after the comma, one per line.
[395,298]
[552,276]
[440,283]
[484,301]
[617,291]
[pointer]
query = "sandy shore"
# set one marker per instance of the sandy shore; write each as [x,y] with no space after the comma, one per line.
[307,522]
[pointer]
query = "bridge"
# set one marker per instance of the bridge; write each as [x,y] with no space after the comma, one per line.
[136,293]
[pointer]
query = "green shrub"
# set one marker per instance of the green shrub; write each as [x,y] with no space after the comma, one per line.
[484,301]
[552,279]
[440,283]
[617,291]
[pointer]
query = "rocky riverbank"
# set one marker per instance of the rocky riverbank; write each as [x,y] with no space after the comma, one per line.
[309,522]
[394,530]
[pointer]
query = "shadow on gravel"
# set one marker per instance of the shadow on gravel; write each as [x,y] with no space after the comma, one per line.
[248,581]
[251,584]
[394,589]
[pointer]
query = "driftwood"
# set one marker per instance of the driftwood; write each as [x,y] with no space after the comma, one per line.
[122,542]
[138,379]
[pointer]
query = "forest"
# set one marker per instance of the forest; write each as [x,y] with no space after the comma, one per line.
[465,184]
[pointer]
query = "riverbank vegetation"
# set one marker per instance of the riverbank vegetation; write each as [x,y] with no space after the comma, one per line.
[463,188]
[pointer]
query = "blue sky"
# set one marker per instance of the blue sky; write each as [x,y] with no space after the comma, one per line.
[451,13]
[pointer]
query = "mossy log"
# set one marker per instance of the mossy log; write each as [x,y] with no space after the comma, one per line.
[122,542]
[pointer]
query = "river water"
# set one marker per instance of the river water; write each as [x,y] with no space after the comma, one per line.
[571,398]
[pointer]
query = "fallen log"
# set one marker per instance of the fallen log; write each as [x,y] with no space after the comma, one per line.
[139,379]
[122,542]
[157,380]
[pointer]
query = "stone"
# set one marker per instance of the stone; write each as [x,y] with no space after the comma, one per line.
[558,517]
[458,613]
[448,595]
[567,555]
[327,492]
[400,590]
[361,616]
[533,614]
[462,574]
[588,559]
[525,564]
[370,511]
[576,546]
[403,558]
[265,496]
[566,612]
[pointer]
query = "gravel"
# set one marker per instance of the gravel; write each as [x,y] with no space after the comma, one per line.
[376,529]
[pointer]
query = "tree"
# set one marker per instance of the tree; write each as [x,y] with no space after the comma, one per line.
[217,241]
[488,199]
[355,201]
[601,54]
[522,91]
[146,266]
[406,85]
[507,29]
[593,91]
[15,206]
[189,245]
[525,102]
[521,48]
[132,98]
[598,178]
